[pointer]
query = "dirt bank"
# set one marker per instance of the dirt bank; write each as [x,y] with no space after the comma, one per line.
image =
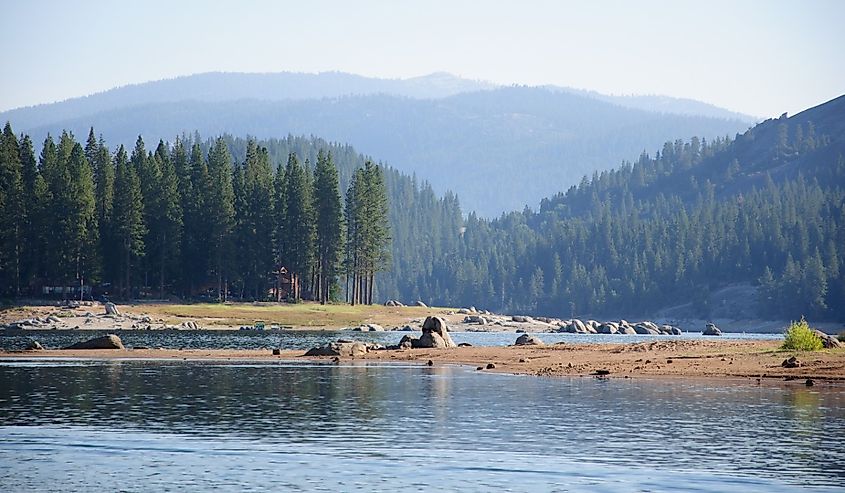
[709,359]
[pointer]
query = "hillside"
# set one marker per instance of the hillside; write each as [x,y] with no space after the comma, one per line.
[766,210]
[498,149]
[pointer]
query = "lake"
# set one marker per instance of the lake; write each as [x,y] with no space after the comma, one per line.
[305,339]
[196,426]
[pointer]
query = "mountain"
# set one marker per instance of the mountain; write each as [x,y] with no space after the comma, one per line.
[664,104]
[763,213]
[499,148]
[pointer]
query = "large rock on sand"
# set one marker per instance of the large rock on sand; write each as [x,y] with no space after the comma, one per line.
[110,341]
[348,349]
[34,346]
[437,325]
[528,340]
[711,330]
[111,309]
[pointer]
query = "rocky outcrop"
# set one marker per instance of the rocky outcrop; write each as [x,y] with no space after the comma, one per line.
[828,341]
[528,340]
[623,327]
[340,348]
[711,330]
[109,341]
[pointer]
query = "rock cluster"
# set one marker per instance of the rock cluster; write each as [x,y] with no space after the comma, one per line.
[576,326]
[368,328]
[435,334]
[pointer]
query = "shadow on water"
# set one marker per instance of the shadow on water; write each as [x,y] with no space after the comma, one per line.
[376,423]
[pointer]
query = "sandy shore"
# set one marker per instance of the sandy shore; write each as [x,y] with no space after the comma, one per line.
[711,359]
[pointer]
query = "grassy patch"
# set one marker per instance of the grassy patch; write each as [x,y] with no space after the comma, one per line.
[799,337]
[296,315]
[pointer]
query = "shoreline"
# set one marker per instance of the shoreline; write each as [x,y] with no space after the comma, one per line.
[754,361]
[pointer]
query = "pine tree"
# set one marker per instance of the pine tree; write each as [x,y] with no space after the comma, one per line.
[34,211]
[220,209]
[197,223]
[128,229]
[299,224]
[12,213]
[328,237]
[257,219]
[81,221]
[280,236]
[104,196]
[168,218]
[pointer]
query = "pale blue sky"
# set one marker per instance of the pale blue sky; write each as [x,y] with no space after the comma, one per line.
[759,57]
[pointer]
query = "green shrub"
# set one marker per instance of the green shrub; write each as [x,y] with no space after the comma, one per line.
[799,337]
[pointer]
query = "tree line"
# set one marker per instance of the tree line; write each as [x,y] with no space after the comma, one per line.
[188,221]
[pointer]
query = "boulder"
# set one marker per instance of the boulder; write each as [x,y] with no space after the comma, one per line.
[607,328]
[34,346]
[111,309]
[828,341]
[436,325]
[369,328]
[628,330]
[791,362]
[350,349]
[641,329]
[420,303]
[407,328]
[432,340]
[109,341]
[528,340]
[711,330]
[521,319]
[463,311]
[567,327]
[408,342]
[475,319]
[579,326]
[393,303]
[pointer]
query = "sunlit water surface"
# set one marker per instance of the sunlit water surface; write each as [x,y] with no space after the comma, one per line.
[303,339]
[197,426]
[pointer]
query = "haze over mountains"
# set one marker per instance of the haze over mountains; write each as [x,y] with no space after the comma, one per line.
[499,148]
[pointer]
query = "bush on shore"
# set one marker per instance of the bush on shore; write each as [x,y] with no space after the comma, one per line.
[799,337]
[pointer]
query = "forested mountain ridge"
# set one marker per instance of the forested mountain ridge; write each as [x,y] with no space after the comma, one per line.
[498,149]
[767,208]
[233,86]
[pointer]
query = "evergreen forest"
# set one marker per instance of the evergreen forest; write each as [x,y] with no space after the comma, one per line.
[219,218]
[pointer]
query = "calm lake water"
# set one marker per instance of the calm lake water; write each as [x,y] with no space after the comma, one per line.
[235,339]
[198,426]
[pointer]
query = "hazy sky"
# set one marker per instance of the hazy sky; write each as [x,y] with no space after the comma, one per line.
[757,57]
